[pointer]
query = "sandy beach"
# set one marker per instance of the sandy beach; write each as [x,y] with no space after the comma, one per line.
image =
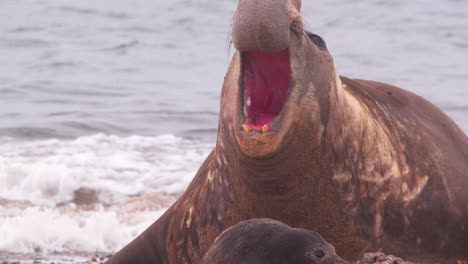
[85,258]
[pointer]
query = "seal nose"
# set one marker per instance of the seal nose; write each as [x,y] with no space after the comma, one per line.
[264,24]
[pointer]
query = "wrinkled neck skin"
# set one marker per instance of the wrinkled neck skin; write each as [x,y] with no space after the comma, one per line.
[270,168]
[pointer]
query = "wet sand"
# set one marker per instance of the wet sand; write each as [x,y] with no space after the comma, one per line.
[76,258]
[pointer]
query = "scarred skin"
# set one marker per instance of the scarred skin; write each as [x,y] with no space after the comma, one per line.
[365,164]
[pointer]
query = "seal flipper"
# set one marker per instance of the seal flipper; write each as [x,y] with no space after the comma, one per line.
[149,247]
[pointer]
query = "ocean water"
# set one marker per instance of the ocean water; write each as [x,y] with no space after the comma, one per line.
[108,108]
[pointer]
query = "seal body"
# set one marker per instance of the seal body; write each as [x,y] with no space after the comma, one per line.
[365,164]
[265,241]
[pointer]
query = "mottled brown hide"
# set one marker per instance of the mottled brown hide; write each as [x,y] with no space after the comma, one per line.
[365,164]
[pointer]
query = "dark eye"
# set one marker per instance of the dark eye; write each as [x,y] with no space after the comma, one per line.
[317,40]
[319,254]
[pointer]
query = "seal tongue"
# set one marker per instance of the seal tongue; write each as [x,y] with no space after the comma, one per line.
[266,85]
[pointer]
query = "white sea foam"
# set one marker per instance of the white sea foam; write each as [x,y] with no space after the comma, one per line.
[134,180]
[46,230]
[48,172]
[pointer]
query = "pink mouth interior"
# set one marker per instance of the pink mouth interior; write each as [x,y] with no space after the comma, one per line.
[266,85]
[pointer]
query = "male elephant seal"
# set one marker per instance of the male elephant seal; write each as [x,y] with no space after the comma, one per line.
[365,164]
[266,241]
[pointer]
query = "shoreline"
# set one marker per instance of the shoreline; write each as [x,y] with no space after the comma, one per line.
[54,258]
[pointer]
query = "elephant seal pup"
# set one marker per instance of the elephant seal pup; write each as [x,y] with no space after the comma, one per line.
[365,164]
[266,241]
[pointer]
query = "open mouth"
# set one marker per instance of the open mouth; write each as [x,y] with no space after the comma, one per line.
[266,87]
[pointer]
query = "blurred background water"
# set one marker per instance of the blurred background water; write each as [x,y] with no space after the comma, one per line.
[108,108]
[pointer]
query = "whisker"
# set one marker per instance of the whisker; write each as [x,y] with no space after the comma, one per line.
[229,42]
[306,25]
[308,40]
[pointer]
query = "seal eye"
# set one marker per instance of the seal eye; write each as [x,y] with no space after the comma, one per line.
[319,254]
[317,40]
